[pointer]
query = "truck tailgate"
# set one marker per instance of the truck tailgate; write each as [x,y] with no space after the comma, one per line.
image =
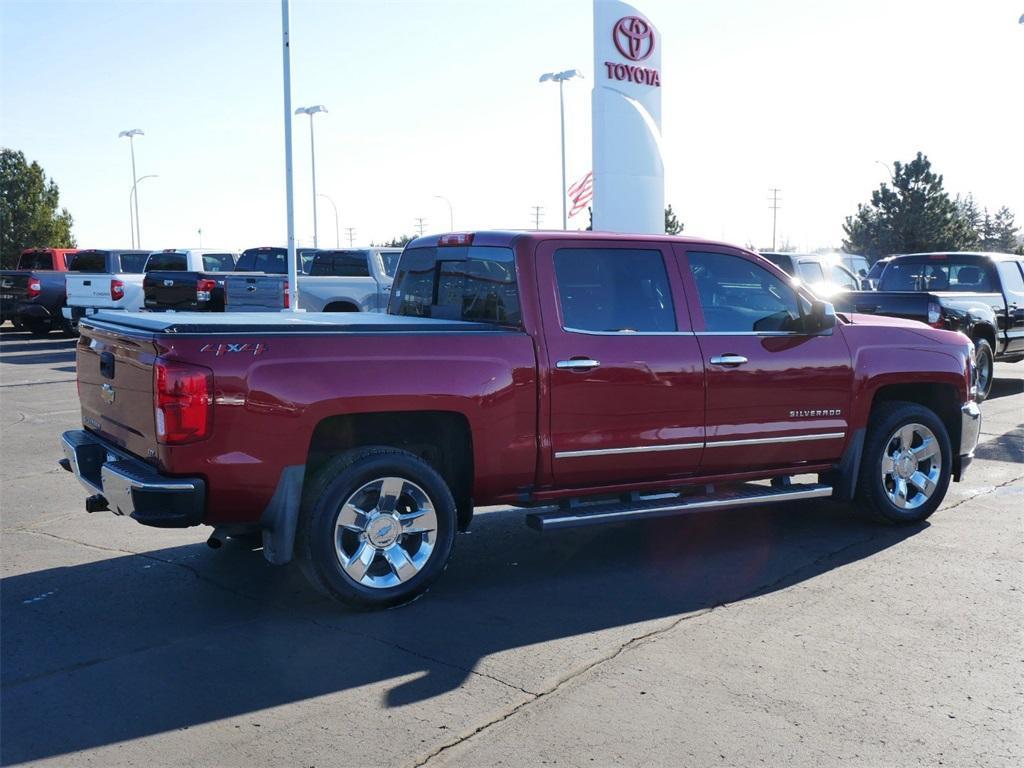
[171,290]
[115,386]
[87,289]
[908,305]
[13,288]
[254,293]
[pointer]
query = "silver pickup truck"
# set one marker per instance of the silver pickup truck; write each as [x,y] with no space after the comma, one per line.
[353,280]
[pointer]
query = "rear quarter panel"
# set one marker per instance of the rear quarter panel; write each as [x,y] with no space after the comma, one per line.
[269,400]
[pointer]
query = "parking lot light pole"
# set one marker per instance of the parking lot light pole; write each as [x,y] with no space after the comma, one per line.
[133,195]
[451,212]
[131,134]
[312,155]
[560,78]
[337,239]
[293,271]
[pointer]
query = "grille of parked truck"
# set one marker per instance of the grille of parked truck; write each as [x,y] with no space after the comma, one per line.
[586,377]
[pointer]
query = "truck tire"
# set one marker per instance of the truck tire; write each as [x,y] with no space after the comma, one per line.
[985,359]
[376,528]
[906,465]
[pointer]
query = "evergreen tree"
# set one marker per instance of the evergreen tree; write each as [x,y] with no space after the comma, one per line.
[913,214]
[29,215]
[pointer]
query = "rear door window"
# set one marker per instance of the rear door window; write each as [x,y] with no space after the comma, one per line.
[810,272]
[475,283]
[739,296]
[167,262]
[614,290]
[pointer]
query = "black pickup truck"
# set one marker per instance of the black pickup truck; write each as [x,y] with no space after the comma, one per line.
[980,294]
[186,280]
[32,294]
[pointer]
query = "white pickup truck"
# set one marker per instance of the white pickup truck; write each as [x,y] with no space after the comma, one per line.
[105,280]
[101,279]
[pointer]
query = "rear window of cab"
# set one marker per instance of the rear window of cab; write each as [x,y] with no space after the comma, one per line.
[473,283]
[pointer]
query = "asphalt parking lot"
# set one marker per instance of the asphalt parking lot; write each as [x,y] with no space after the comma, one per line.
[780,635]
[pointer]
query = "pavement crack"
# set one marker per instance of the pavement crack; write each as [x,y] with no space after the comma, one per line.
[984,492]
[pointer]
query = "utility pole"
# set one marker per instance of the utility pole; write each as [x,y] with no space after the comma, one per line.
[350,232]
[537,212]
[420,225]
[773,205]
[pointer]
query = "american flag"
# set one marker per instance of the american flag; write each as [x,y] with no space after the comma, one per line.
[581,193]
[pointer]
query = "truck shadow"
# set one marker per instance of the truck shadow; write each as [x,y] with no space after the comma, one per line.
[127,647]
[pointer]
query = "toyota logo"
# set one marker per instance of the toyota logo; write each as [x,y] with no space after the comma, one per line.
[634,37]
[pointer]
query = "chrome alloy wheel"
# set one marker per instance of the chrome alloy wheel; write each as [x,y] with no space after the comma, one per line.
[385,532]
[911,466]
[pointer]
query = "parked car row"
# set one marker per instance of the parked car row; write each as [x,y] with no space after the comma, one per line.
[52,289]
[980,294]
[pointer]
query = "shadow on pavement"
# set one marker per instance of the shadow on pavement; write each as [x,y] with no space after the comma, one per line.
[1005,388]
[127,647]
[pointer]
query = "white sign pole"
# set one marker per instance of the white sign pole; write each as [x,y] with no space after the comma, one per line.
[293,272]
[629,172]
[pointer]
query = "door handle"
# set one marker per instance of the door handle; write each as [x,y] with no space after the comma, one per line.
[578,364]
[728,360]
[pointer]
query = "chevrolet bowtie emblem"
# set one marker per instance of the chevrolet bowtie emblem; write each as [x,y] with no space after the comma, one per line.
[108,394]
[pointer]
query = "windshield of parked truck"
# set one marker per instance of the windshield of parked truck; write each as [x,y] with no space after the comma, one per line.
[273,261]
[476,283]
[938,273]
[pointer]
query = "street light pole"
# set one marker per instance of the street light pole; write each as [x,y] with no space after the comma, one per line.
[131,134]
[133,195]
[293,271]
[312,155]
[337,240]
[560,78]
[451,212]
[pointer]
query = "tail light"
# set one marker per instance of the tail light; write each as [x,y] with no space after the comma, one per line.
[34,288]
[934,314]
[183,399]
[287,296]
[204,289]
[116,290]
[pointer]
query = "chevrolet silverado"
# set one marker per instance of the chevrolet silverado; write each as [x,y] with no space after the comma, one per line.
[586,377]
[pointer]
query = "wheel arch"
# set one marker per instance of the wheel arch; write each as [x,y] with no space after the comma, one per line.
[443,439]
[341,305]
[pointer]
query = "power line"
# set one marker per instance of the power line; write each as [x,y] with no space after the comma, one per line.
[350,232]
[774,200]
[420,225]
[538,211]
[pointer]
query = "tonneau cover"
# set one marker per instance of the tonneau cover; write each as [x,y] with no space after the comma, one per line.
[283,322]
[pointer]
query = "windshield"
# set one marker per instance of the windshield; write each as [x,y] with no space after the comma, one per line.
[89,261]
[273,261]
[938,274]
[810,272]
[458,283]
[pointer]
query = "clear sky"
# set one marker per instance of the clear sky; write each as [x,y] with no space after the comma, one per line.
[441,98]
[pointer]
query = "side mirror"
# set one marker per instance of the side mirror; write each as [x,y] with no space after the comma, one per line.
[822,318]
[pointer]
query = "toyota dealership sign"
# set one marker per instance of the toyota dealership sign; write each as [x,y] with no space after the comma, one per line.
[629,175]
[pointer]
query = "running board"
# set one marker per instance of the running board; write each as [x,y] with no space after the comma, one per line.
[640,509]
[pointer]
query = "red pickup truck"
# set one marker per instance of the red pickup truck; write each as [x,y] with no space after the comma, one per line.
[587,377]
